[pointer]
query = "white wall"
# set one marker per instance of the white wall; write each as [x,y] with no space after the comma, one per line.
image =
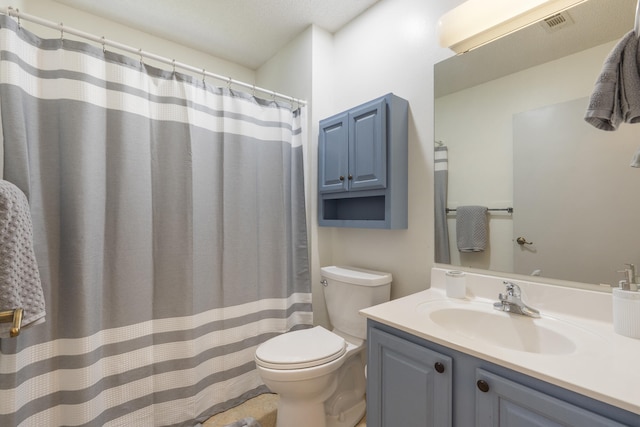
[392,47]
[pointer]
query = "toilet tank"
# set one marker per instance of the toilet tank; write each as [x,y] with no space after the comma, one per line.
[347,290]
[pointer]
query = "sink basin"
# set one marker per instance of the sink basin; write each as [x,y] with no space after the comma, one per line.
[480,322]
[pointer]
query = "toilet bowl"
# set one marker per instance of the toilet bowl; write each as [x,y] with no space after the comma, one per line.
[319,374]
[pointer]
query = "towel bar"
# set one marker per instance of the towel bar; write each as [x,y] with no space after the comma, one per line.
[12,316]
[510,210]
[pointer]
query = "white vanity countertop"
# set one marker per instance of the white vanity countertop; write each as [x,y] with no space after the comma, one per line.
[606,368]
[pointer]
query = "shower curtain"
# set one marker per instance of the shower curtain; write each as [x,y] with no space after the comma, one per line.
[441,178]
[169,229]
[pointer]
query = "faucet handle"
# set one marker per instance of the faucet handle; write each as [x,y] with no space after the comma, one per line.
[513,290]
[632,272]
[629,277]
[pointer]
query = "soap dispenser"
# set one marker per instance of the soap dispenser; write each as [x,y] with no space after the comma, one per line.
[626,305]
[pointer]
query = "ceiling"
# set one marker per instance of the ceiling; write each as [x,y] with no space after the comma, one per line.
[589,24]
[245,32]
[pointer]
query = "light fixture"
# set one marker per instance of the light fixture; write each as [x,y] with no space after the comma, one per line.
[476,22]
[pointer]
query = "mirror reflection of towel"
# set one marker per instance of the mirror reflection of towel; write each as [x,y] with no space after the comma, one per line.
[472,228]
[616,95]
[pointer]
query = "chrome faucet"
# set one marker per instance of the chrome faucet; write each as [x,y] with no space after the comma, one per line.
[511,301]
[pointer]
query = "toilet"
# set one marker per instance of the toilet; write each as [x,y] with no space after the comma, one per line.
[319,374]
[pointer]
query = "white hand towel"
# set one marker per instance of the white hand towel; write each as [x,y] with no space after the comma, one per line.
[20,285]
[472,228]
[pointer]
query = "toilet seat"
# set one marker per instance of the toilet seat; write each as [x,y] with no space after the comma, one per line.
[305,348]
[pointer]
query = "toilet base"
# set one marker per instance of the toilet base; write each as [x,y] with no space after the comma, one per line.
[323,396]
[290,414]
[348,418]
[347,404]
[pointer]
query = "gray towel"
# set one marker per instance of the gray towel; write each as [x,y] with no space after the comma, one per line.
[245,422]
[616,95]
[20,285]
[472,228]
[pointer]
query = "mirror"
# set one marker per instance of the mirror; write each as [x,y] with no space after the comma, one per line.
[511,114]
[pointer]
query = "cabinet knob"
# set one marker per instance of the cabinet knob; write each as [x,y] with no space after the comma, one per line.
[483,386]
[341,178]
[439,367]
[350,177]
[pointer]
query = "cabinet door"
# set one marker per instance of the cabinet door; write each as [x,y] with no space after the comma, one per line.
[508,404]
[407,384]
[368,146]
[333,154]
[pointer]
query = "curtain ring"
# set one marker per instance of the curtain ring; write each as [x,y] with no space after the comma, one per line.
[173,62]
[140,53]
[253,90]
[18,16]
[229,83]
[61,31]
[203,76]
[273,95]
[104,45]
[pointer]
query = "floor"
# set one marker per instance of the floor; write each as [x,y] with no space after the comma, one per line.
[262,408]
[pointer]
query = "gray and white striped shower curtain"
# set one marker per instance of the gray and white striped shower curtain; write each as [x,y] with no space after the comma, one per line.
[169,228]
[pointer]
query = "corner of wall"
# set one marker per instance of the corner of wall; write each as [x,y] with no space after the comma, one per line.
[302,69]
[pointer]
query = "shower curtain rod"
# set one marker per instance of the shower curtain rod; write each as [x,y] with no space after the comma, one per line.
[10,11]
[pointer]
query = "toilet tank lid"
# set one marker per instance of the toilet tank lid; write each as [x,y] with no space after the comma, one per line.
[355,275]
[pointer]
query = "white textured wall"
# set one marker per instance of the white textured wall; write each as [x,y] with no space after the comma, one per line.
[392,48]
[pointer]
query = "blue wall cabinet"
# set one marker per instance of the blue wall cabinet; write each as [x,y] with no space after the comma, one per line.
[333,160]
[362,166]
[404,388]
[413,383]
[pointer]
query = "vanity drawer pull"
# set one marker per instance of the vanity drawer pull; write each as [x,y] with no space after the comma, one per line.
[483,386]
[439,367]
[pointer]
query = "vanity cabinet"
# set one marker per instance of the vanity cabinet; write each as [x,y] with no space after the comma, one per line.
[505,403]
[412,383]
[404,388]
[362,166]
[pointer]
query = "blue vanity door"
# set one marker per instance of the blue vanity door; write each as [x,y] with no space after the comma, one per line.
[407,384]
[368,146]
[504,403]
[333,154]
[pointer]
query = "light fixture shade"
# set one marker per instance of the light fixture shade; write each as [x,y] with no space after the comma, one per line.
[476,22]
